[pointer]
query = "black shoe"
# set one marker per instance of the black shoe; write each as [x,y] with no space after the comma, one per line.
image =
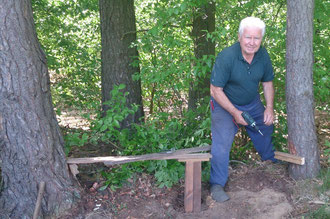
[218,194]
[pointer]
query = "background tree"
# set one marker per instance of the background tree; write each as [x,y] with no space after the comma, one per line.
[204,46]
[30,140]
[302,138]
[118,32]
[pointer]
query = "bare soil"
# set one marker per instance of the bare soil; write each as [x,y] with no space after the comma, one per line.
[258,190]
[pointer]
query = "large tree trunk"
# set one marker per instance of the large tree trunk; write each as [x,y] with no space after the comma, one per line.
[302,138]
[203,23]
[118,32]
[30,140]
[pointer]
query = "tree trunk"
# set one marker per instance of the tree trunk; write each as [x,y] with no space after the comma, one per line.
[302,138]
[118,32]
[203,23]
[30,140]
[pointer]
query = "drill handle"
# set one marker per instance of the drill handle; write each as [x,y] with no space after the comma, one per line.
[248,118]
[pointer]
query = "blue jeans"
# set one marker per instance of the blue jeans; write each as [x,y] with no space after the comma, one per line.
[223,132]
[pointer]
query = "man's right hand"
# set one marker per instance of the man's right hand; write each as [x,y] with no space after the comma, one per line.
[239,118]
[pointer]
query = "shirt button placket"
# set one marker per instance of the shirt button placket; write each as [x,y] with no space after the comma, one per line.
[248,68]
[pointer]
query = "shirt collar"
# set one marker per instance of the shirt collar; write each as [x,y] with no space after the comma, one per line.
[255,57]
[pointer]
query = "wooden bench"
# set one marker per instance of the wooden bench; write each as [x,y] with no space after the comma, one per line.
[191,156]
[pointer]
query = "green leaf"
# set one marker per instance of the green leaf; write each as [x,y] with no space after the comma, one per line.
[102,188]
[121,86]
[84,137]
[116,123]
[103,128]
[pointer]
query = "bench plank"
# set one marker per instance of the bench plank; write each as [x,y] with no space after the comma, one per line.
[183,154]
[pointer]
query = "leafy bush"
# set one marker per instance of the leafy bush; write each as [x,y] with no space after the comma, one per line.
[116,177]
[107,128]
[167,172]
[74,139]
[163,132]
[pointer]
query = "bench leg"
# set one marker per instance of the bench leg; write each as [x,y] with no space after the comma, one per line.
[193,187]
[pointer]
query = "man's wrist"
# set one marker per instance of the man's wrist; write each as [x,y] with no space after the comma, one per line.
[234,112]
[269,107]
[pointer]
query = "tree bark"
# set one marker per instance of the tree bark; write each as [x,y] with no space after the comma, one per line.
[302,138]
[118,32]
[31,145]
[203,23]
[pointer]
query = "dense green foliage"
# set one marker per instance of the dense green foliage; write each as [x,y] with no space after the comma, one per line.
[69,33]
[321,54]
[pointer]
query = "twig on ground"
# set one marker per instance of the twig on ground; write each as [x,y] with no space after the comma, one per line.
[318,202]
[39,199]
[237,161]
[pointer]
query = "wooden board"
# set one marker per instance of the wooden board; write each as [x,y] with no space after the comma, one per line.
[184,154]
[121,160]
[289,158]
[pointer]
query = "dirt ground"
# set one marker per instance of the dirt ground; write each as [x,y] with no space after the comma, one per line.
[259,190]
[256,190]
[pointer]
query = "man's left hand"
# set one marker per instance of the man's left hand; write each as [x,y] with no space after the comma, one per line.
[268,116]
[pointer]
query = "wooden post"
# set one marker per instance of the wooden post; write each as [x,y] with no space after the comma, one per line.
[193,185]
[189,187]
[197,186]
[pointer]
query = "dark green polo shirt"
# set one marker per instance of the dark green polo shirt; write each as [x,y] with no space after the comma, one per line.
[239,79]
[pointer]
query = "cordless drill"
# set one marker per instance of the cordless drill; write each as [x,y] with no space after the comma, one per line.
[250,121]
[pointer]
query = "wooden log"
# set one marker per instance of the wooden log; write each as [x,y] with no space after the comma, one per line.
[289,158]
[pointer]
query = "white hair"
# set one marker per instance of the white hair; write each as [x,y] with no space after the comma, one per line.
[251,22]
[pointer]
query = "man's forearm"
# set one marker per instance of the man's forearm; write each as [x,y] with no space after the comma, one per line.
[269,97]
[269,94]
[218,94]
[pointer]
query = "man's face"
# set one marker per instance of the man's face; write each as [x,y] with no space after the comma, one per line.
[250,40]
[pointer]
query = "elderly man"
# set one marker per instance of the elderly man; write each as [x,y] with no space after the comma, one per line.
[235,79]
